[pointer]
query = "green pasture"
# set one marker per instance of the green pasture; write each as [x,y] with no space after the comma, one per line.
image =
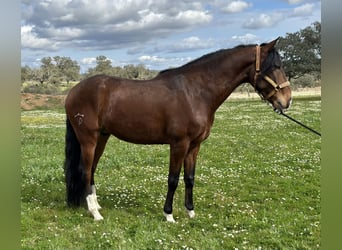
[257,186]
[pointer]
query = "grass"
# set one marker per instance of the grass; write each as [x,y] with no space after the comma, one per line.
[257,186]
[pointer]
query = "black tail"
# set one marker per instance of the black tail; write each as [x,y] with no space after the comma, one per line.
[73,169]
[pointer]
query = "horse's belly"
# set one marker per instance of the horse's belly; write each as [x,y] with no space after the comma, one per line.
[138,129]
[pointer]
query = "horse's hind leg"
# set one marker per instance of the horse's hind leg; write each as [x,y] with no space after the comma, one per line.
[101,143]
[88,152]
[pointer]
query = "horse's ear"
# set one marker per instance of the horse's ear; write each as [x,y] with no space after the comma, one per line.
[270,45]
[276,40]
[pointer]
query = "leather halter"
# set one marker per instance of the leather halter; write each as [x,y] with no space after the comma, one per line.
[266,78]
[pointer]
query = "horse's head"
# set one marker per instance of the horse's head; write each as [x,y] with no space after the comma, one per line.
[270,80]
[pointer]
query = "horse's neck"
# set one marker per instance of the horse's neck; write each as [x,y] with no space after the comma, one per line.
[226,76]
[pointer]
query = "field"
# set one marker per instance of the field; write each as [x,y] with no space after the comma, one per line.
[257,186]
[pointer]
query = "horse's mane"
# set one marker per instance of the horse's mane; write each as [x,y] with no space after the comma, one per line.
[273,59]
[198,61]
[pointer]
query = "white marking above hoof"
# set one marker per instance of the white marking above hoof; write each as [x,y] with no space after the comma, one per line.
[97,216]
[92,207]
[93,191]
[169,218]
[191,213]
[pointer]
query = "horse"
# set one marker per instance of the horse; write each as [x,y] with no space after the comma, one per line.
[176,107]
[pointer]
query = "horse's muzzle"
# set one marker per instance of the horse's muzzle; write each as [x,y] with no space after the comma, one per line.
[280,107]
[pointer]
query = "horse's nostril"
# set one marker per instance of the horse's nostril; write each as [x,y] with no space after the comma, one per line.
[281,107]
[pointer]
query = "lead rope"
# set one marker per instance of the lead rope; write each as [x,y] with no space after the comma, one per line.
[298,122]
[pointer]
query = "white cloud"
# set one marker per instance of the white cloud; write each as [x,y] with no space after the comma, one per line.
[107,24]
[245,39]
[30,40]
[236,6]
[190,44]
[263,21]
[88,61]
[295,1]
[194,17]
[195,42]
[151,59]
[303,10]
[163,62]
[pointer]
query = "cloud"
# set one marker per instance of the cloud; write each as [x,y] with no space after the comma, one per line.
[151,59]
[263,21]
[245,39]
[295,1]
[188,44]
[191,43]
[303,10]
[88,61]
[195,42]
[158,62]
[106,24]
[29,39]
[236,7]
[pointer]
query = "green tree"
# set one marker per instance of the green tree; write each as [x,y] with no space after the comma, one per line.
[26,74]
[103,65]
[58,69]
[46,70]
[131,72]
[301,51]
[66,69]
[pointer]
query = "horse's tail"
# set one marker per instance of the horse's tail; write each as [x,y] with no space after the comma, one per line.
[73,169]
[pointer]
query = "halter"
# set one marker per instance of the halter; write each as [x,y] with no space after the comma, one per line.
[266,78]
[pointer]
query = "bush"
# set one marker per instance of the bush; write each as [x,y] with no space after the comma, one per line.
[46,88]
[304,81]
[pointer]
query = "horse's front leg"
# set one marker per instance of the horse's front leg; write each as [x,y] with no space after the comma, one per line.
[189,179]
[177,154]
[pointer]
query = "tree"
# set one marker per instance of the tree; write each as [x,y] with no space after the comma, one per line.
[103,65]
[66,69]
[58,69]
[131,72]
[26,74]
[301,51]
[46,70]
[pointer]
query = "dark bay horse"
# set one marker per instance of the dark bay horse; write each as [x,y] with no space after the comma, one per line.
[177,107]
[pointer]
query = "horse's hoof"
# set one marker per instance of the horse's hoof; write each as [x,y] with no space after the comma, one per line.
[98,217]
[191,213]
[169,218]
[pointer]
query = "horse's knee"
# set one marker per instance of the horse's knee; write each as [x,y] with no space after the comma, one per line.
[189,181]
[173,182]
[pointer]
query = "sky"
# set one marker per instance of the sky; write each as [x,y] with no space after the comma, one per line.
[157,33]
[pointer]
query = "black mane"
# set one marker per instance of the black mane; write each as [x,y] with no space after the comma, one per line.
[200,60]
[272,60]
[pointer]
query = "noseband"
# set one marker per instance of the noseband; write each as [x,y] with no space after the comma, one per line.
[266,78]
